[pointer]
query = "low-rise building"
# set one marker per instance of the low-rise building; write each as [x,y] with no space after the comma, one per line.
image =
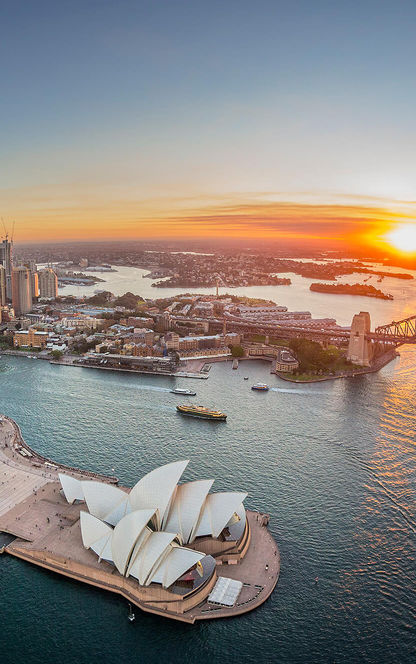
[30,338]
[285,361]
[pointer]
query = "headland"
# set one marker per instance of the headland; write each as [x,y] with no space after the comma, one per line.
[47,533]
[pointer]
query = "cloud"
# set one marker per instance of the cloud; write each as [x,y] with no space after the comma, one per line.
[95,213]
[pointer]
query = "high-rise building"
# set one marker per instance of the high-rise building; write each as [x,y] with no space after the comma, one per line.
[21,290]
[6,260]
[31,265]
[2,286]
[35,284]
[48,283]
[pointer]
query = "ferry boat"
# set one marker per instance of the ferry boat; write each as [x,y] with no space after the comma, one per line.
[201,412]
[261,387]
[183,392]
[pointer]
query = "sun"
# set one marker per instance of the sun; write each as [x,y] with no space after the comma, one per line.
[403,238]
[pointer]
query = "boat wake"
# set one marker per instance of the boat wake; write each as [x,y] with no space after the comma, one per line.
[286,390]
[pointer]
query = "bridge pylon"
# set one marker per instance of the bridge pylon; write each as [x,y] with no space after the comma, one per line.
[360,350]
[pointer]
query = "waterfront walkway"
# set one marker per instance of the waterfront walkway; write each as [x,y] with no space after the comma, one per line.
[47,528]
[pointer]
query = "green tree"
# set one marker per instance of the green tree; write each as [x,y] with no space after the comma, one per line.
[237,351]
[129,301]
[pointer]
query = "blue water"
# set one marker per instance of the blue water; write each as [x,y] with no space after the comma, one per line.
[333,463]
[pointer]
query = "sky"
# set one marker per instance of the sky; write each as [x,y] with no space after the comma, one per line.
[181,119]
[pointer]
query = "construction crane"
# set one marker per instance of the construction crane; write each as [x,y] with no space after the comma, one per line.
[5,228]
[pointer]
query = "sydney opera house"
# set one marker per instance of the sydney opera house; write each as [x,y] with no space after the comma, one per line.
[162,533]
[173,548]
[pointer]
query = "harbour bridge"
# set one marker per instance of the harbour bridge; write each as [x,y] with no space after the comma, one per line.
[364,345]
[396,333]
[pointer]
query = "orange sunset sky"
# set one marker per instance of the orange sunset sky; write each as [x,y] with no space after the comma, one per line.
[272,121]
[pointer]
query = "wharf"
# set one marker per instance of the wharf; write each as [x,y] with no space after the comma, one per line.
[69,361]
[48,534]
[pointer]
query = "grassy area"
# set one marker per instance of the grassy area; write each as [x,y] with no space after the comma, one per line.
[304,378]
[278,342]
[318,361]
[257,338]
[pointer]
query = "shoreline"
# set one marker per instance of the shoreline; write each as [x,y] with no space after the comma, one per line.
[201,374]
[386,359]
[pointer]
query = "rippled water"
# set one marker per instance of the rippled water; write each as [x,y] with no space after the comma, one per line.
[333,463]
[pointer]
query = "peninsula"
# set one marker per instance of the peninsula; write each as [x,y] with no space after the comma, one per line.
[217,560]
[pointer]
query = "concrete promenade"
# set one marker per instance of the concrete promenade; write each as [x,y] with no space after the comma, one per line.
[48,534]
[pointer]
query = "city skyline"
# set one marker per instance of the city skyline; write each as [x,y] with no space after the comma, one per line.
[166,120]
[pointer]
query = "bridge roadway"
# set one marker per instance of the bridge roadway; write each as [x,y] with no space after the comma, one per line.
[48,535]
[395,333]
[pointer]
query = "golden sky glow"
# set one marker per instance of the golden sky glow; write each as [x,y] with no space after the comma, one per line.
[208,120]
[82,213]
[403,238]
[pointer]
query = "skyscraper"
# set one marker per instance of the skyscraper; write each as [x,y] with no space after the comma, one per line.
[31,265]
[21,290]
[48,283]
[2,286]
[6,260]
[35,284]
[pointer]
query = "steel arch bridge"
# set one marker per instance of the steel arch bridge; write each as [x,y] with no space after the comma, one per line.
[396,333]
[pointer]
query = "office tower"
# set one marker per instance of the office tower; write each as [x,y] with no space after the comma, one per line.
[34,277]
[32,267]
[6,259]
[48,283]
[21,290]
[2,286]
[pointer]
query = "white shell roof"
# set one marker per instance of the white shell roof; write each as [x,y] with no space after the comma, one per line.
[150,555]
[71,487]
[140,542]
[155,489]
[96,535]
[125,535]
[105,501]
[217,511]
[179,512]
[186,507]
[176,563]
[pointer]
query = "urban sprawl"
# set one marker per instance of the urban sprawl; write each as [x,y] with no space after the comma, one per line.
[175,335]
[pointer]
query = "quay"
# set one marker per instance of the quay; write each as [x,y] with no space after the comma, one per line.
[46,532]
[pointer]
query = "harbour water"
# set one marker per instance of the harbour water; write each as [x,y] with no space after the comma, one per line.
[297,296]
[333,463]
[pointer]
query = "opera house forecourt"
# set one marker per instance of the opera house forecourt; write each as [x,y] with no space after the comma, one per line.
[175,549]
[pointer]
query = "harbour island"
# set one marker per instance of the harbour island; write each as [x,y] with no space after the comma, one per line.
[175,550]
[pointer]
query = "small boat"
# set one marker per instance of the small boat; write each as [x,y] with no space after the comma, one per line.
[131,615]
[183,392]
[202,413]
[235,364]
[261,387]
